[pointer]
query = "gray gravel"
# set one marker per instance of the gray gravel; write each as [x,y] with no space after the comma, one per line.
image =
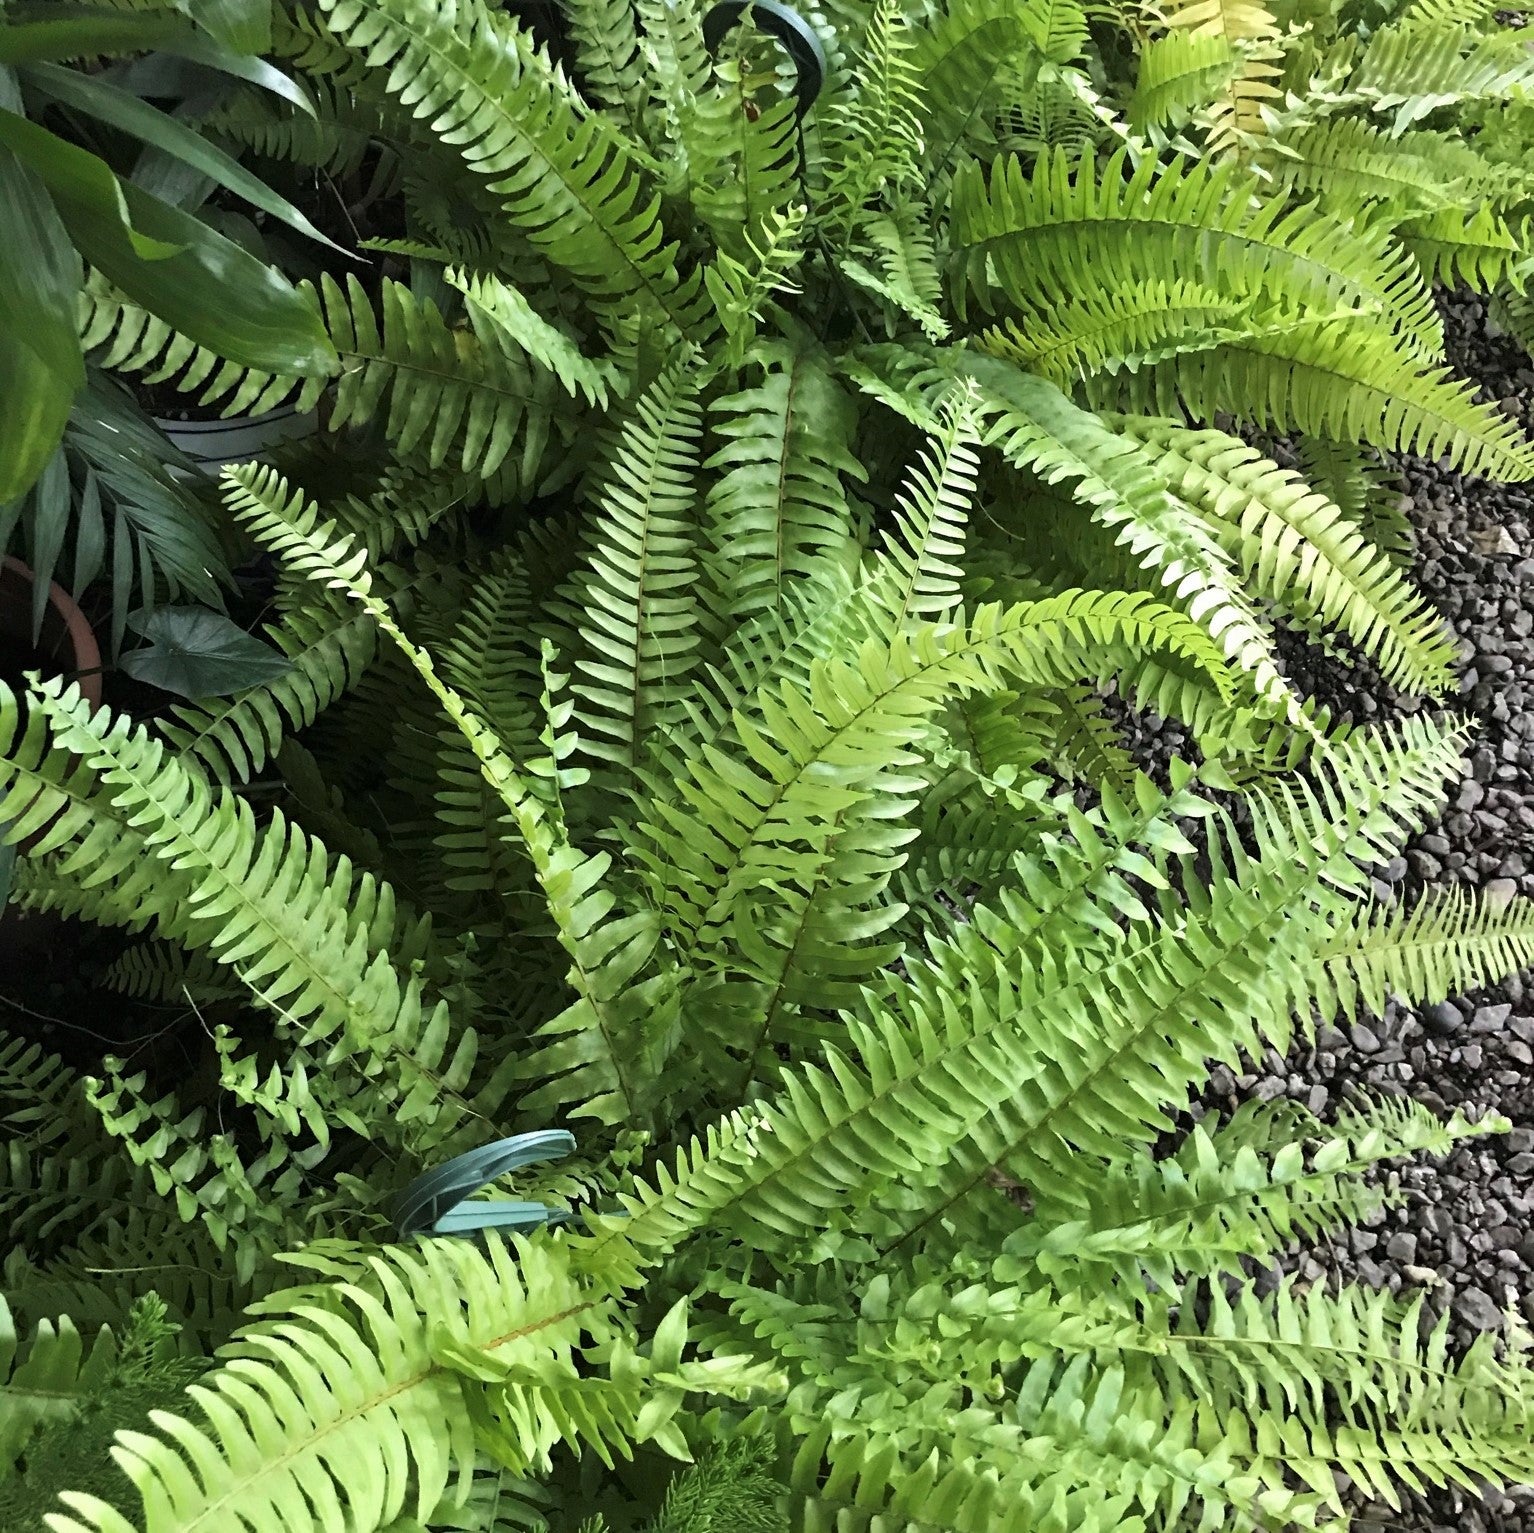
[1466,1231]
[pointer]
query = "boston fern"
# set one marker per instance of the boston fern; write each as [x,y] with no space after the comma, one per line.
[746,859]
[1132,240]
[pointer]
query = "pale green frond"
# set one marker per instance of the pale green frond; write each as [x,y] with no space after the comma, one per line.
[874,138]
[1180,73]
[1214,1206]
[502,313]
[1477,251]
[1300,551]
[610,1043]
[1450,941]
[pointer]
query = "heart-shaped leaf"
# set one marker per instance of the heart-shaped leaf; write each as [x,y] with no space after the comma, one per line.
[196,652]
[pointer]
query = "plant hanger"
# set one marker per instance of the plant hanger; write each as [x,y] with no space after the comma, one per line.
[435,1203]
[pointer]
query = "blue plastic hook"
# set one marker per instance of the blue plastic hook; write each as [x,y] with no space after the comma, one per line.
[435,1202]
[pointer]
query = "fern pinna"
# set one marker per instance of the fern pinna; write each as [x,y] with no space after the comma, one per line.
[821,960]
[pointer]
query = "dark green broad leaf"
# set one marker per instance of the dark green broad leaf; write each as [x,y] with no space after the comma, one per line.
[174,265]
[120,109]
[245,26]
[84,32]
[235,33]
[195,652]
[7,871]
[40,358]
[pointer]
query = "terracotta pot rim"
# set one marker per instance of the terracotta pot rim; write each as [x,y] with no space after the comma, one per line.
[86,653]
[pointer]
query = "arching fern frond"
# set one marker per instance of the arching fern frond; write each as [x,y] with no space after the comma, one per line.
[1366,490]
[1477,250]
[874,140]
[560,173]
[609,1046]
[1077,335]
[326,1400]
[329,644]
[1076,223]
[1040,430]
[1299,550]
[435,389]
[1336,379]
[127,338]
[1224,1203]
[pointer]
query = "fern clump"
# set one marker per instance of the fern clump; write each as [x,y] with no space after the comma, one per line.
[739,511]
[1218,217]
[824,966]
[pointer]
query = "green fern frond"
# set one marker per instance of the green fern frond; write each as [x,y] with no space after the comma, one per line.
[164,973]
[1038,429]
[329,645]
[1090,1092]
[1415,67]
[48,1381]
[1365,490]
[1180,74]
[127,338]
[779,510]
[721,829]
[435,389]
[1074,337]
[268,902]
[1349,160]
[610,59]
[923,574]
[326,1400]
[1212,1207]
[1073,223]
[609,1045]
[1357,1384]
[740,290]
[561,174]
[874,141]
[1299,550]
[1477,251]
[1337,379]
[1451,941]
[635,603]
[973,59]
[503,312]
[908,272]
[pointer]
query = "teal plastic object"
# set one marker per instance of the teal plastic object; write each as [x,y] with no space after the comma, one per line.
[434,1203]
